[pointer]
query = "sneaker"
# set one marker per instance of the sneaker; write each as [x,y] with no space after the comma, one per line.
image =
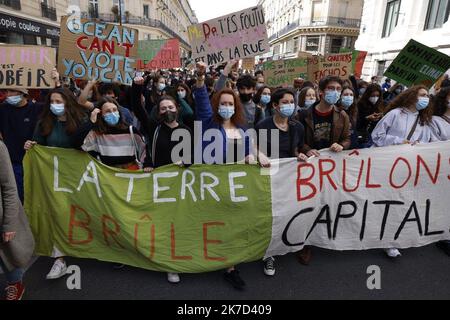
[269,266]
[15,291]
[304,256]
[235,280]
[58,270]
[444,246]
[173,277]
[393,252]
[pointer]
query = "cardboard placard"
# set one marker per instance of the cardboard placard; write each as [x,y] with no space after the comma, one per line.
[97,50]
[248,64]
[238,35]
[418,64]
[26,67]
[284,72]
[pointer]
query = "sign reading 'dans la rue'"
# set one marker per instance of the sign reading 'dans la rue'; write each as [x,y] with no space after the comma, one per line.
[26,67]
[97,51]
[238,35]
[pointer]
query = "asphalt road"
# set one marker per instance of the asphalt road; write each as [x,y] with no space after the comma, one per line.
[422,273]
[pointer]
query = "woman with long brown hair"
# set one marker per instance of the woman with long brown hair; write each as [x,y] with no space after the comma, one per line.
[370,111]
[407,121]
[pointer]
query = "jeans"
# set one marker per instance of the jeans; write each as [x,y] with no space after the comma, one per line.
[18,173]
[13,276]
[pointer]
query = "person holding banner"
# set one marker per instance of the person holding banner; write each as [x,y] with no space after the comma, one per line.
[16,239]
[63,122]
[441,126]
[370,111]
[347,103]
[407,121]
[263,104]
[291,139]
[18,119]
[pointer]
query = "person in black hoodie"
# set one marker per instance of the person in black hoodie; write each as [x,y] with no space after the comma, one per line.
[370,112]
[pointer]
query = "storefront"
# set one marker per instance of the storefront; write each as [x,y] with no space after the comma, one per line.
[15,30]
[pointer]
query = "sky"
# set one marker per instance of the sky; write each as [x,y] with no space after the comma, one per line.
[209,9]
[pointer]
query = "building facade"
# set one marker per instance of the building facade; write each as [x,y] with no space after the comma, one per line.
[388,25]
[37,22]
[315,26]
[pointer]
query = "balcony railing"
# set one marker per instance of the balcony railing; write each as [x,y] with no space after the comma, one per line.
[320,22]
[14,4]
[48,12]
[129,19]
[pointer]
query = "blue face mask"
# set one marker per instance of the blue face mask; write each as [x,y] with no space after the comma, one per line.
[14,100]
[265,99]
[226,112]
[57,109]
[347,101]
[287,110]
[362,91]
[309,103]
[332,96]
[423,103]
[161,86]
[112,118]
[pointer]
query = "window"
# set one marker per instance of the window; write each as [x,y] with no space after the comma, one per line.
[381,68]
[312,44]
[296,44]
[318,11]
[146,11]
[391,19]
[93,8]
[437,15]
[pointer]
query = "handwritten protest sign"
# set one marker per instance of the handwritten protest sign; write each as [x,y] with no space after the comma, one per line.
[238,35]
[97,50]
[159,54]
[26,67]
[283,72]
[358,62]
[418,64]
[339,65]
[206,218]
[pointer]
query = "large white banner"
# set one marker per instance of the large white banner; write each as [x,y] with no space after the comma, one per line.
[364,199]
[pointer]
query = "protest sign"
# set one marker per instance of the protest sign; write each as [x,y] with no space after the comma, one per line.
[26,67]
[283,72]
[206,218]
[238,35]
[418,64]
[159,54]
[97,50]
[359,57]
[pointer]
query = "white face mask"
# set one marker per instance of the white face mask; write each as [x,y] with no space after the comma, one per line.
[374,100]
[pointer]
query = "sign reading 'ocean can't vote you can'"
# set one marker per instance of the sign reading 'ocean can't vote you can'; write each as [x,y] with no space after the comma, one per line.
[238,35]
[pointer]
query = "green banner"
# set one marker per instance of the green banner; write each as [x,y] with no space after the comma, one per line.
[418,64]
[189,220]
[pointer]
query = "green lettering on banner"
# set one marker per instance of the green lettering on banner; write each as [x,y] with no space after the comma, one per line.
[189,220]
[418,64]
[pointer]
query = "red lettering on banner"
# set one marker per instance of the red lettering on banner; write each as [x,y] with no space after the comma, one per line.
[80,224]
[305,182]
[369,171]
[107,232]
[172,246]
[433,178]
[207,241]
[79,44]
[95,45]
[326,173]
[344,175]
[392,173]
[127,47]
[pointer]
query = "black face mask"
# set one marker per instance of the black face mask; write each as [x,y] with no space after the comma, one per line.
[169,116]
[246,97]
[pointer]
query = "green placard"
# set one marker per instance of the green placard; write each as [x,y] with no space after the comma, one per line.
[418,64]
